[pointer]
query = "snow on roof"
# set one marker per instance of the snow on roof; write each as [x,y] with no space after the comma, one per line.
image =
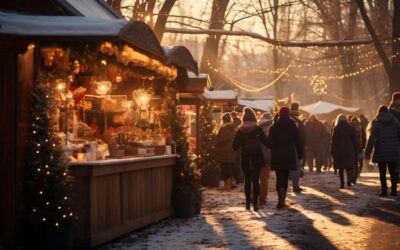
[201,75]
[92,9]
[26,25]
[322,107]
[220,94]
[259,104]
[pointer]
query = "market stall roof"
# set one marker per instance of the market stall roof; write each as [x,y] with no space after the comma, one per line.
[220,94]
[61,28]
[181,56]
[322,107]
[90,8]
[265,104]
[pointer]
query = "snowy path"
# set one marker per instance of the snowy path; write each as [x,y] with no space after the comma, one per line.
[322,217]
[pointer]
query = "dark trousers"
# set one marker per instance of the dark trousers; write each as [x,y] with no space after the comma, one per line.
[393,175]
[282,178]
[226,169]
[349,173]
[251,176]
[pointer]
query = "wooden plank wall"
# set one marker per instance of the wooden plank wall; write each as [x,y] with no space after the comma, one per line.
[117,199]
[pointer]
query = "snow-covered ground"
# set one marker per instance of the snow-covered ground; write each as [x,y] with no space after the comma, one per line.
[322,217]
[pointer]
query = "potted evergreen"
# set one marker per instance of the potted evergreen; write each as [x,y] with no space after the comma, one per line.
[186,187]
[48,184]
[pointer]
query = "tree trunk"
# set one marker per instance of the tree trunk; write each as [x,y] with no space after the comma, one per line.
[159,27]
[115,4]
[392,69]
[217,21]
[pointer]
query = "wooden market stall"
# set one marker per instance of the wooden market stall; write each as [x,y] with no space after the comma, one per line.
[109,79]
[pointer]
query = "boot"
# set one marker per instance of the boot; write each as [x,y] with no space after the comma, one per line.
[281,198]
[255,206]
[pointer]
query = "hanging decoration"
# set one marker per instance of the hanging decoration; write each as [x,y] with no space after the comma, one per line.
[128,55]
[319,86]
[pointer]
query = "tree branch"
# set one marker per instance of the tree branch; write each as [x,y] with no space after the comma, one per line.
[331,43]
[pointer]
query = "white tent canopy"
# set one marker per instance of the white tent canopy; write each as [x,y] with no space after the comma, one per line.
[259,104]
[220,95]
[322,107]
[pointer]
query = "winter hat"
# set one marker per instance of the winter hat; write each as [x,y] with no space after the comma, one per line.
[267,115]
[382,109]
[226,117]
[284,111]
[395,96]
[249,115]
[294,106]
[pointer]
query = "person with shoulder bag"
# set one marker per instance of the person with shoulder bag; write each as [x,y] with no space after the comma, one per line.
[248,139]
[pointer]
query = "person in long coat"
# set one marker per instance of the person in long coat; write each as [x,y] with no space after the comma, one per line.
[249,138]
[361,141]
[286,151]
[237,171]
[224,153]
[343,149]
[295,175]
[385,139]
[265,123]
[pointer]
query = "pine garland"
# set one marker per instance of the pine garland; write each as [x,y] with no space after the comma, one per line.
[207,139]
[49,186]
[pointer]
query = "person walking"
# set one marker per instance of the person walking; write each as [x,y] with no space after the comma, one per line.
[224,153]
[286,151]
[343,149]
[326,146]
[295,175]
[248,139]
[314,134]
[265,123]
[237,171]
[385,140]
[361,141]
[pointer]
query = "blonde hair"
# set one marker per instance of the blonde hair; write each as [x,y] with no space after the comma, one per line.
[339,118]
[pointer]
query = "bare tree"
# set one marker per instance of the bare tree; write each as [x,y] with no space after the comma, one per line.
[217,21]
[392,69]
[162,18]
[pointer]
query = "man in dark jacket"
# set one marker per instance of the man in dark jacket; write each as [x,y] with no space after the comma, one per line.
[286,151]
[385,138]
[315,134]
[394,109]
[295,175]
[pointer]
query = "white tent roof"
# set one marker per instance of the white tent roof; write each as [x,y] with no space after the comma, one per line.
[220,94]
[322,107]
[259,104]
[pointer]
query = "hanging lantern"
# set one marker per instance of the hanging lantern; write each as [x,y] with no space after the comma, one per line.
[103,87]
[142,98]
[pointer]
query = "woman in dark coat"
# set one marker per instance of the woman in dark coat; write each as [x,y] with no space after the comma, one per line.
[286,149]
[343,149]
[248,138]
[385,139]
[224,153]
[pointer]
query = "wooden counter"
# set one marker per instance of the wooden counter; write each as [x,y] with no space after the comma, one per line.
[114,197]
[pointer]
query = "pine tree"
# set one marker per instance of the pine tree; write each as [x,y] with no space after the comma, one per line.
[48,184]
[207,139]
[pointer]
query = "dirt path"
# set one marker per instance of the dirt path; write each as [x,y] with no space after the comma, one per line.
[322,217]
